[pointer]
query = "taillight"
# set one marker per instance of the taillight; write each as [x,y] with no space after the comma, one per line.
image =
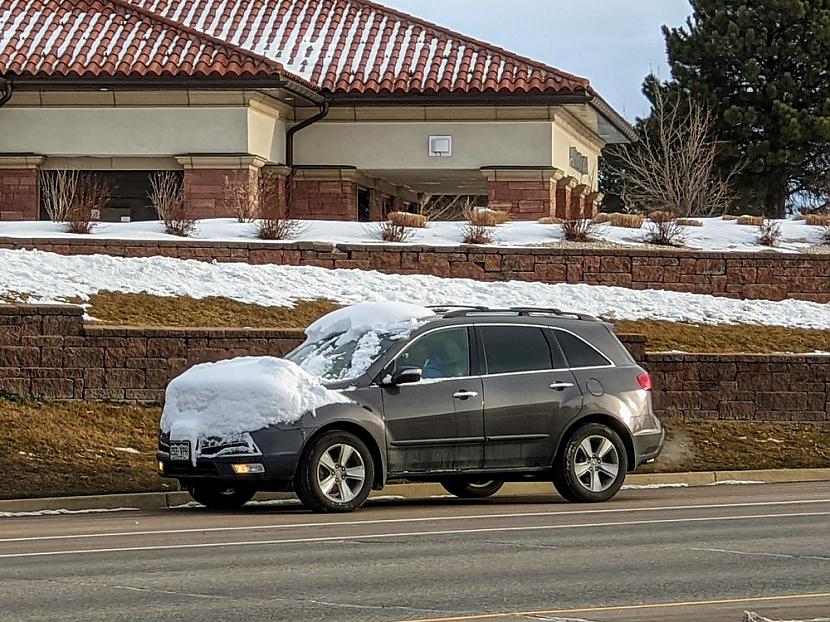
[645,381]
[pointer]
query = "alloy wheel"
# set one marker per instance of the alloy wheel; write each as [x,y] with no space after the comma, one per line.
[341,473]
[596,463]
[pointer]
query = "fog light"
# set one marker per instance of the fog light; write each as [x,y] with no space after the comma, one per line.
[247,469]
[161,467]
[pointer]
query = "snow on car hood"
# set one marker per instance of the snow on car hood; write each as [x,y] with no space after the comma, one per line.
[240,395]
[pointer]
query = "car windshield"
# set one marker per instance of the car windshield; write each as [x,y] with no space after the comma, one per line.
[346,356]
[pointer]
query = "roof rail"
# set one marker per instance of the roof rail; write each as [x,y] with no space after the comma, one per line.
[465,310]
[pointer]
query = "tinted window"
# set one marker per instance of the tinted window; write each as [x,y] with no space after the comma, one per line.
[441,354]
[579,353]
[514,349]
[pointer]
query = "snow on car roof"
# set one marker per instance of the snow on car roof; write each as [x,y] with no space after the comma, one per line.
[364,317]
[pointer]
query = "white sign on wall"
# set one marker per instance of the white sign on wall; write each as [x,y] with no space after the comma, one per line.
[440,146]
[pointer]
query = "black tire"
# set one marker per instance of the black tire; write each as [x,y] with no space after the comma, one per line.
[217,496]
[471,488]
[312,467]
[583,487]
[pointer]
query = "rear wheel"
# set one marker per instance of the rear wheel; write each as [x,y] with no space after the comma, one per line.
[336,473]
[472,488]
[220,496]
[592,466]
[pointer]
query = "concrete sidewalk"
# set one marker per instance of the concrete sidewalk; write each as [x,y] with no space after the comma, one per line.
[162,500]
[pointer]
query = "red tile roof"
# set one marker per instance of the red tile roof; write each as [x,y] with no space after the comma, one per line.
[358,47]
[80,38]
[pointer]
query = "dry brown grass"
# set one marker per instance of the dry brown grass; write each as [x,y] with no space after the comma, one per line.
[147,310]
[405,219]
[752,221]
[729,217]
[68,448]
[627,221]
[601,218]
[661,215]
[817,220]
[689,222]
[485,217]
[696,445]
[739,338]
[550,220]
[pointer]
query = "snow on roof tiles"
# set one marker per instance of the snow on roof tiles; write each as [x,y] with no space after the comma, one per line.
[112,38]
[358,46]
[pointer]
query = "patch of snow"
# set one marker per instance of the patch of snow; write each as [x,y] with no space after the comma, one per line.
[240,395]
[737,482]
[62,512]
[715,235]
[49,277]
[653,486]
[127,450]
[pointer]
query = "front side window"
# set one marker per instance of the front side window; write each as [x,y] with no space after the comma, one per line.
[511,349]
[579,353]
[440,354]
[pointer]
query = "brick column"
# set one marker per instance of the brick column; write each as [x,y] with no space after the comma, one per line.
[564,189]
[19,197]
[592,203]
[377,205]
[579,197]
[324,194]
[204,178]
[527,194]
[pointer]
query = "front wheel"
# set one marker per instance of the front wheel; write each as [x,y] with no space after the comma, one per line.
[221,497]
[592,466]
[472,489]
[336,473]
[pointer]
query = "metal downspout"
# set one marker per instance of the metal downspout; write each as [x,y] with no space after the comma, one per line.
[289,148]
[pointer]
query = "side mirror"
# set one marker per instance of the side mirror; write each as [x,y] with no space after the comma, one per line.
[407,375]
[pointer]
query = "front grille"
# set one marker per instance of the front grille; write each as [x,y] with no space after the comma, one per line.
[186,469]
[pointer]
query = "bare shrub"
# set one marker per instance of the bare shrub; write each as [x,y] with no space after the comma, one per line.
[405,219]
[447,206]
[92,194]
[550,220]
[729,217]
[627,221]
[241,198]
[666,233]
[477,234]
[391,231]
[167,197]
[769,233]
[817,220]
[689,222]
[579,230]
[485,217]
[272,206]
[672,166]
[57,192]
[751,221]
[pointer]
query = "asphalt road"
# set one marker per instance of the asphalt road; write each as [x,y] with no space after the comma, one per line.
[680,554]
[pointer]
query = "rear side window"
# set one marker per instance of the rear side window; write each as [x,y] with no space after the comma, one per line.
[510,349]
[579,353]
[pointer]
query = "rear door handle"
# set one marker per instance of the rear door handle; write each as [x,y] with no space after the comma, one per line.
[464,395]
[561,386]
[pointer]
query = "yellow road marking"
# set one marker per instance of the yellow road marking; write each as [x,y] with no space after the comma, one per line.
[691,603]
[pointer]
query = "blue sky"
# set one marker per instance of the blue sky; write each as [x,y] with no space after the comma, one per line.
[614,43]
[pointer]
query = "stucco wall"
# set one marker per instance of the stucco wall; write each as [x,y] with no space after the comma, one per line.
[404,145]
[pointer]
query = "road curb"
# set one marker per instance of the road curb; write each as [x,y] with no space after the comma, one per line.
[164,500]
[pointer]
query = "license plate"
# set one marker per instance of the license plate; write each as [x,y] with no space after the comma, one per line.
[180,451]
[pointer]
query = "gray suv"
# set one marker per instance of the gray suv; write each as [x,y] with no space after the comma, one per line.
[471,397]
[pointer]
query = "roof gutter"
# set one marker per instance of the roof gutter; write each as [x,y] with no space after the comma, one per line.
[614,117]
[6,90]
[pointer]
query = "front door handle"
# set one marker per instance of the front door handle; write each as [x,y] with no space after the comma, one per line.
[464,395]
[561,386]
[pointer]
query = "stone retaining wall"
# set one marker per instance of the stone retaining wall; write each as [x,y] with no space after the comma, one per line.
[735,275]
[48,351]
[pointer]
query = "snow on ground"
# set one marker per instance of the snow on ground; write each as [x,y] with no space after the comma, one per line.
[235,396]
[715,235]
[62,512]
[49,277]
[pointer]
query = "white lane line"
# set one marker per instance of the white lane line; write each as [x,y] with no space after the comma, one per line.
[380,536]
[424,519]
[754,554]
